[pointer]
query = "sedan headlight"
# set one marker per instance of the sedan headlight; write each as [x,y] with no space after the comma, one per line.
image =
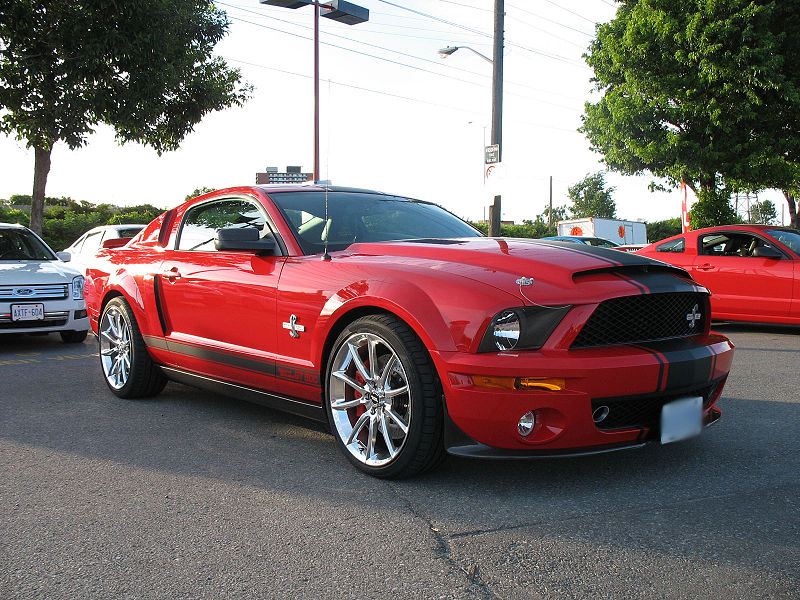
[77,287]
[525,328]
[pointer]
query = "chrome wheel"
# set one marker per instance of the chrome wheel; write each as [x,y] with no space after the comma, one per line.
[370,399]
[115,347]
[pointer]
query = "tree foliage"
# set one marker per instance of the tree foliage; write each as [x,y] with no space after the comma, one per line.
[65,219]
[700,91]
[659,230]
[143,67]
[591,198]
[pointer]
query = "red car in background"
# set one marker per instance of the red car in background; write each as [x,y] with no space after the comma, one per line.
[752,271]
[405,329]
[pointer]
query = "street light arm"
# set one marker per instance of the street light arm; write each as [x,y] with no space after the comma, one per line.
[445,52]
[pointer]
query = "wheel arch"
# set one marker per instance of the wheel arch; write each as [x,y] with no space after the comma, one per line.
[345,318]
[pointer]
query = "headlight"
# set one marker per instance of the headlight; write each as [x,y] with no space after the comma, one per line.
[505,330]
[524,328]
[77,288]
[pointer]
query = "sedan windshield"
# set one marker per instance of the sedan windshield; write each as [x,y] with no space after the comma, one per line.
[21,244]
[363,217]
[787,237]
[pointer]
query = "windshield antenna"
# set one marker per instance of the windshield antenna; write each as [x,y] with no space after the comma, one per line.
[325,255]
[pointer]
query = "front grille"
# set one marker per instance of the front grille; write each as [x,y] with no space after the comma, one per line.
[51,319]
[642,411]
[33,292]
[645,318]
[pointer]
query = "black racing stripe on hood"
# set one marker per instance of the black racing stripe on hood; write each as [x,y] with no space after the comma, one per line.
[598,253]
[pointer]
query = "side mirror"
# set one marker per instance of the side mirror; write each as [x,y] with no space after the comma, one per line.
[238,238]
[767,252]
[65,256]
[116,242]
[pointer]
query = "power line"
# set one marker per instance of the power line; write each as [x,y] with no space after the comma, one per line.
[467,5]
[447,66]
[476,31]
[551,20]
[572,12]
[398,96]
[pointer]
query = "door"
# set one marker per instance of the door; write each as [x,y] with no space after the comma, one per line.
[219,306]
[741,283]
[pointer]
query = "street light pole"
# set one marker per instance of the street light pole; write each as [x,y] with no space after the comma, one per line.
[336,10]
[316,91]
[497,106]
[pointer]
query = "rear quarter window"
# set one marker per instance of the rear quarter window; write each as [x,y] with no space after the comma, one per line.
[678,245]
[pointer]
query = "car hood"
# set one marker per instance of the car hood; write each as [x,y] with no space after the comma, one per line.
[32,272]
[502,262]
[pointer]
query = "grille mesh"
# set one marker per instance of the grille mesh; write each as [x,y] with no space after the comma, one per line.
[645,318]
[33,292]
[627,413]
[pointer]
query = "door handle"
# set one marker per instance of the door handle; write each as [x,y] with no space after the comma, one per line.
[705,267]
[171,274]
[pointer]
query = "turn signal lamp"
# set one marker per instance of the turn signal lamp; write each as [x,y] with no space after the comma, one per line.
[552,384]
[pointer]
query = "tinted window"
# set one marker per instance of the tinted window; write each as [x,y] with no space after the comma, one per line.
[678,245]
[21,244]
[364,217]
[729,244]
[787,237]
[201,222]
[129,232]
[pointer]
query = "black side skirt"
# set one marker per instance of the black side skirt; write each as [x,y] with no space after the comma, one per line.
[303,408]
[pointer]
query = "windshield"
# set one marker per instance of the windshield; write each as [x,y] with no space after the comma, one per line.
[787,237]
[363,217]
[21,244]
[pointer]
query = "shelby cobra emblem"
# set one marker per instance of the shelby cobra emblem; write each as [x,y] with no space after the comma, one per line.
[693,316]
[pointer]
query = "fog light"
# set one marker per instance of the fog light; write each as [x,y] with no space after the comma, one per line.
[80,314]
[526,424]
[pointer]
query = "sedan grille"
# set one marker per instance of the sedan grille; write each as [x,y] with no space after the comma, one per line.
[33,292]
[51,319]
[645,318]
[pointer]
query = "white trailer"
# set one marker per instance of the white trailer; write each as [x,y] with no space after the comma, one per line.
[616,230]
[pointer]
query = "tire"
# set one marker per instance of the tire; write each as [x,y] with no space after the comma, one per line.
[387,420]
[73,337]
[127,367]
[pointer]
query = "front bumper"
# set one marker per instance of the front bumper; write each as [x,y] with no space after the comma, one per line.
[59,315]
[635,381]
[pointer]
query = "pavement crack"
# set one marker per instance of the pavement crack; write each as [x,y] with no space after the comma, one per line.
[472,573]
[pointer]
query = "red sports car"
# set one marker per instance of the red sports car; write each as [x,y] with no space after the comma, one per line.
[407,330]
[753,271]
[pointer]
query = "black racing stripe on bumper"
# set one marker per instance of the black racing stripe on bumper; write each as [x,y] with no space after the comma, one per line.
[688,363]
[660,359]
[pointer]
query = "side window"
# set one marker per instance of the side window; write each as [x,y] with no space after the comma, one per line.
[729,244]
[92,243]
[201,222]
[678,245]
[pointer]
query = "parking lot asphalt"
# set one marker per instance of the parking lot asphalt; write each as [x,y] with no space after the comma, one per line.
[192,495]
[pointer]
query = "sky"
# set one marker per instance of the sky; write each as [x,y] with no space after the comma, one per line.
[395,116]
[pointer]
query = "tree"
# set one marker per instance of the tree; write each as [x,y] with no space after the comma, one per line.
[685,86]
[143,67]
[591,198]
[198,192]
[659,230]
[763,212]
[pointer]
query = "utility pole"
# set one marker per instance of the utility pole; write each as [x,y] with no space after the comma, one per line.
[550,214]
[497,106]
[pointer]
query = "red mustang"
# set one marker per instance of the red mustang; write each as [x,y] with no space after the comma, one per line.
[405,329]
[753,271]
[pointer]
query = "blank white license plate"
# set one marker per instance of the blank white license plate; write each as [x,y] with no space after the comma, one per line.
[27,312]
[681,419]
